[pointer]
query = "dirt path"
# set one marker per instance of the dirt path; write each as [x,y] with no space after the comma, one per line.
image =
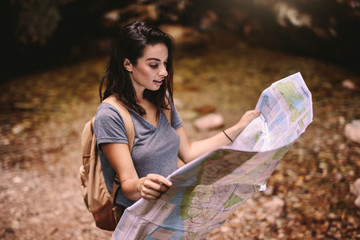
[43,114]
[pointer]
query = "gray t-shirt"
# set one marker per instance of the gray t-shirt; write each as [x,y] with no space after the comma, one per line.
[155,148]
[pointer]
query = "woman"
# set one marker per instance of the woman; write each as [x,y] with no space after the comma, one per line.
[140,75]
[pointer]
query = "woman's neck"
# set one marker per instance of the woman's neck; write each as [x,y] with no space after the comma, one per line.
[140,97]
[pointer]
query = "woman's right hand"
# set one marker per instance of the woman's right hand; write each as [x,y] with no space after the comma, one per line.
[153,186]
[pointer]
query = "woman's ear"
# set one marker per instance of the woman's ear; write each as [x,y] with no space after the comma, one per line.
[127,65]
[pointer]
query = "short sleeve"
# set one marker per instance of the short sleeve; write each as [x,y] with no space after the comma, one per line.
[176,120]
[109,126]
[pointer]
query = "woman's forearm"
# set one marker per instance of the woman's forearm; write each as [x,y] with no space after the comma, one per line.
[189,151]
[130,189]
[201,147]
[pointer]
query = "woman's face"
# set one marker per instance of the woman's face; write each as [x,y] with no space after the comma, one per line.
[150,70]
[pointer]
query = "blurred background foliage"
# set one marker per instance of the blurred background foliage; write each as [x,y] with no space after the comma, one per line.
[45,33]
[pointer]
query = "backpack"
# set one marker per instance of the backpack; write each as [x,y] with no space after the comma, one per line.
[98,200]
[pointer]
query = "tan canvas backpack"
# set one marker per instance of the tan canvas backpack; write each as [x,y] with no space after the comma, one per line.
[96,196]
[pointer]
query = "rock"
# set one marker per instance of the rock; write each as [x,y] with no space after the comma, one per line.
[357,202]
[183,35]
[332,215]
[113,15]
[225,229]
[15,224]
[318,216]
[4,141]
[338,176]
[348,84]
[18,128]
[352,131]
[208,20]
[341,120]
[287,14]
[24,106]
[145,12]
[269,191]
[274,205]
[271,219]
[209,122]
[17,179]
[355,187]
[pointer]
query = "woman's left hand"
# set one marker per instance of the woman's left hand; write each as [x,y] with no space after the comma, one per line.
[247,118]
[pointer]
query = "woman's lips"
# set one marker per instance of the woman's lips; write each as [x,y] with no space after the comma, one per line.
[158,82]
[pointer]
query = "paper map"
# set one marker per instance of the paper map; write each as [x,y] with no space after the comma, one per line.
[208,190]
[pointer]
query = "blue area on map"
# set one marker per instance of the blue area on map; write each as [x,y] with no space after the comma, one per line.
[264,102]
[298,104]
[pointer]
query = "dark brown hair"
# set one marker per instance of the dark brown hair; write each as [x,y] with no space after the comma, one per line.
[131,43]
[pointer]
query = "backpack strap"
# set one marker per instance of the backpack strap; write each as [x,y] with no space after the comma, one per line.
[129,125]
[130,132]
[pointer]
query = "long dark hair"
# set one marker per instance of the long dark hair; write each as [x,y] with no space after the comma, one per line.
[131,43]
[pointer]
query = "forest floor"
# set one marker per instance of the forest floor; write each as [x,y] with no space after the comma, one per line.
[308,196]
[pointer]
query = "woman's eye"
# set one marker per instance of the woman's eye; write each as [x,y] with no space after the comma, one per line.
[153,65]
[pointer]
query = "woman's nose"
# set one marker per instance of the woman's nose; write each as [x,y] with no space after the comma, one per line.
[163,72]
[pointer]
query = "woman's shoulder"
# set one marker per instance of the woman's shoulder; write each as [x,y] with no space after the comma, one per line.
[106,112]
[106,109]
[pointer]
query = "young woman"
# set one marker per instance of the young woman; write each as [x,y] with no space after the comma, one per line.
[140,75]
